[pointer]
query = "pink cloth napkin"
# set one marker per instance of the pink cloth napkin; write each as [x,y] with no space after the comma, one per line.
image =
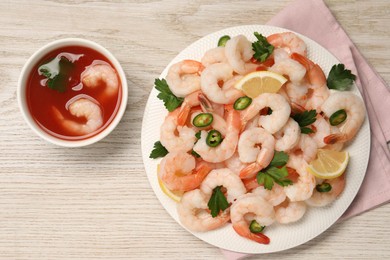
[313,19]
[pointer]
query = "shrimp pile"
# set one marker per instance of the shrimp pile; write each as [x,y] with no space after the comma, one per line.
[228,153]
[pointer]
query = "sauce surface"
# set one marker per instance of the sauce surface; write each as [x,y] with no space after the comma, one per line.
[50,107]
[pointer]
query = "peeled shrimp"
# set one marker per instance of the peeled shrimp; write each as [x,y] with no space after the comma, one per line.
[306,147]
[322,129]
[303,188]
[289,41]
[251,207]
[194,213]
[226,178]
[290,211]
[235,164]
[210,78]
[321,199]
[215,55]
[183,77]
[238,51]
[101,72]
[353,106]
[275,196]
[318,90]
[228,145]
[255,146]
[82,108]
[174,137]
[180,172]
[288,137]
[297,93]
[280,111]
[291,68]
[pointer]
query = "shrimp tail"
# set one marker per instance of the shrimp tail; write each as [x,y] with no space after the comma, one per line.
[205,104]
[257,237]
[183,115]
[296,108]
[251,184]
[250,171]
[308,64]
[335,138]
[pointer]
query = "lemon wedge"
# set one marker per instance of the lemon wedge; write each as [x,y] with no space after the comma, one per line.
[259,82]
[329,164]
[174,195]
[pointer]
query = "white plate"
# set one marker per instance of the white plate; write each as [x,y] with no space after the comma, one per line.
[316,220]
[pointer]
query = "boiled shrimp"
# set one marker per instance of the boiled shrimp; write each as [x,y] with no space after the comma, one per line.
[288,41]
[321,199]
[275,196]
[322,129]
[306,147]
[288,137]
[303,188]
[194,213]
[174,137]
[228,145]
[355,110]
[82,107]
[238,51]
[291,68]
[210,78]
[251,207]
[290,211]
[256,146]
[297,93]
[280,111]
[235,164]
[225,178]
[215,55]
[318,90]
[101,72]
[180,172]
[183,77]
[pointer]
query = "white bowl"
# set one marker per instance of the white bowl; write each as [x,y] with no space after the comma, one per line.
[22,85]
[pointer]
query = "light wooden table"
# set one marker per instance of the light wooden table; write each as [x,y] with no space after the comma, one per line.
[96,202]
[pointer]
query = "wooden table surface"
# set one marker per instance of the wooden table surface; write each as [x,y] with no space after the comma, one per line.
[96,202]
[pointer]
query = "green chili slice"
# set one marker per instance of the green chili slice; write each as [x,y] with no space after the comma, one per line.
[338,117]
[214,138]
[242,103]
[203,119]
[324,187]
[222,41]
[255,227]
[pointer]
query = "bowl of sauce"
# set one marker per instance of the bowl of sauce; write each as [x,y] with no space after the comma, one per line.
[72,92]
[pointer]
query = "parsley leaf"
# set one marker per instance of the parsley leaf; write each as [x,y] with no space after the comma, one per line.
[171,102]
[158,150]
[304,119]
[263,49]
[340,78]
[217,202]
[273,173]
[280,159]
[57,71]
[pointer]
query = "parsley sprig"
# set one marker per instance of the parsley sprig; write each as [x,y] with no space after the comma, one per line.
[305,119]
[263,49]
[158,150]
[217,202]
[340,78]
[57,71]
[171,102]
[275,172]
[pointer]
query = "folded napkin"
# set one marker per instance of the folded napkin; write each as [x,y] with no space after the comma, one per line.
[313,19]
